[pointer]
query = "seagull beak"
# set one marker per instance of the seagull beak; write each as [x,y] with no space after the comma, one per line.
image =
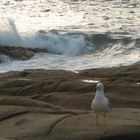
[97,86]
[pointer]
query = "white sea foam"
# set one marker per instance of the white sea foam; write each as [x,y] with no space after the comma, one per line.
[60,44]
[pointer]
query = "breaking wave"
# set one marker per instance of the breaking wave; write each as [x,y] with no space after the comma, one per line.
[62,43]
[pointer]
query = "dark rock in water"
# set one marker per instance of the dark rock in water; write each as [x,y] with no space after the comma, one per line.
[132,12]
[55,104]
[46,10]
[7,3]
[19,53]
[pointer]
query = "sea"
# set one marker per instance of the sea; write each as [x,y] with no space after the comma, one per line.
[78,34]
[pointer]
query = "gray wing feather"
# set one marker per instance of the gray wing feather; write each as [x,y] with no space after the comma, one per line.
[109,104]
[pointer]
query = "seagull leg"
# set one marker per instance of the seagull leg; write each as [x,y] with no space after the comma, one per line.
[96,118]
[104,117]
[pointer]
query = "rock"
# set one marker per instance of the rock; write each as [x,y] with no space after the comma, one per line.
[25,124]
[19,53]
[55,104]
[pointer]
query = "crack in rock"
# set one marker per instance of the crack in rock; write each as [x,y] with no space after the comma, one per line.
[56,122]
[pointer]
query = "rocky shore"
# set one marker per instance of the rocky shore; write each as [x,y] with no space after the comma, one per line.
[55,104]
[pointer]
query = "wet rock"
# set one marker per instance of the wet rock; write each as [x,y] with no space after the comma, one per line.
[19,53]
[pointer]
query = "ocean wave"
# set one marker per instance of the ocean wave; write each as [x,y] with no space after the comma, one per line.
[74,43]
[66,50]
[54,42]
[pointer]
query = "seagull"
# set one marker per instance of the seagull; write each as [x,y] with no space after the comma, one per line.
[100,103]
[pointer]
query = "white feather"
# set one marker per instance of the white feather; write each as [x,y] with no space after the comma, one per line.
[100,103]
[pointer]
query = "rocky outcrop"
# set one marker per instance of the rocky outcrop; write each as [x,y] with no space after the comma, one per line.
[48,104]
[19,53]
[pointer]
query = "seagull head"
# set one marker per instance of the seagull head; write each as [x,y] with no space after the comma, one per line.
[100,86]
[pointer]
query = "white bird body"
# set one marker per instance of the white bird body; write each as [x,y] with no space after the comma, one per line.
[100,103]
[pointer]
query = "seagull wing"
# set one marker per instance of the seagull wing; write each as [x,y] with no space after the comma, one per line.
[109,104]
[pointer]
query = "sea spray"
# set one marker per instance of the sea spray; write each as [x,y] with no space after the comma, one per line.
[9,35]
[54,42]
[71,44]
[4,58]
